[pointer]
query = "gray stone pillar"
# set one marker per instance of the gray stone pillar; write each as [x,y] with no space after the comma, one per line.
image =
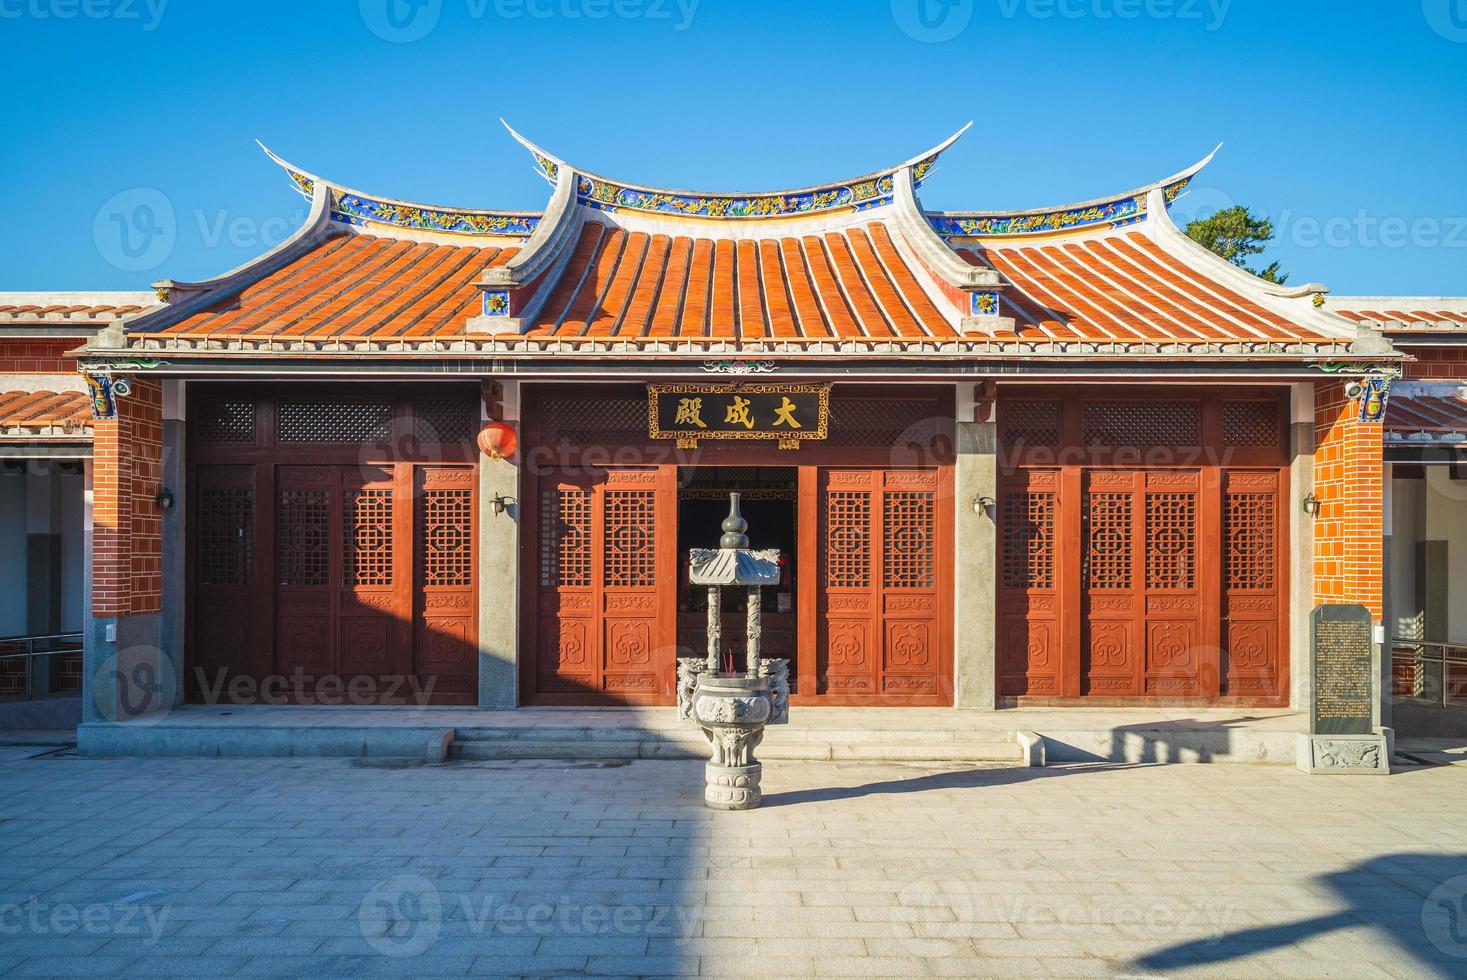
[975,648]
[1301,545]
[171,634]
[499,565]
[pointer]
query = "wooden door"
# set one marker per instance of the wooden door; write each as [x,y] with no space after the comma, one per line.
[883,609]
[342,577]
[227,619]
[1253,576]
[605,618]
[1031,569]
[446,583]
[1140,585]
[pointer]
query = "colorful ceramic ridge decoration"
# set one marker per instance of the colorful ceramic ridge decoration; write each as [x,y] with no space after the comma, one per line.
[873,190]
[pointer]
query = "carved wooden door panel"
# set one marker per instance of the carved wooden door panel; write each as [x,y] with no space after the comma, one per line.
[374,623]
[1140,584]
[227,578]
[1252,582]
[307,568]
[445,601]
[883,613]
[605,614]
[1029,576]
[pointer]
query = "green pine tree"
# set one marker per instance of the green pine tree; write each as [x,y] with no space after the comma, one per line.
[1236,233]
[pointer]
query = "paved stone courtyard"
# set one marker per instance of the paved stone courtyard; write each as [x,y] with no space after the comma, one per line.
[330,868]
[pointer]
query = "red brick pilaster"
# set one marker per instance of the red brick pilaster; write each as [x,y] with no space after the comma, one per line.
[1348,480]
[127,541]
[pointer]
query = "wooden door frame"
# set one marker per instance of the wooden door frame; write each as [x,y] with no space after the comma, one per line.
[1213,461]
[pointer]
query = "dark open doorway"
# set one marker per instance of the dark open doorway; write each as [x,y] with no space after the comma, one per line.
[770,496]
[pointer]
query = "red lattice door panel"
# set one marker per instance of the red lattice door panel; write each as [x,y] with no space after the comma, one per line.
[1029,575]
[446,623]
[1253,575]
[1141,585]
[342,564]
[226,578]
[605,619]
[883,619]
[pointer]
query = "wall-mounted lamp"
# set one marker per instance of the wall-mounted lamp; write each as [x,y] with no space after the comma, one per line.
[164,499]
[500,503]
[983,504]
[1311,505]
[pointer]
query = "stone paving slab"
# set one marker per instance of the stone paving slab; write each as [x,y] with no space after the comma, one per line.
[340,868]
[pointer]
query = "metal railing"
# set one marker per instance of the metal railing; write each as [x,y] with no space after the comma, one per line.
[20,671]
[1423,670]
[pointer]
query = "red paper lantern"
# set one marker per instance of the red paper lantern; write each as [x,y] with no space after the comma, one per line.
[498,440]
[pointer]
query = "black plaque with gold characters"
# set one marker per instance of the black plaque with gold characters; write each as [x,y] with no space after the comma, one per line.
[688,412]
[1344,677]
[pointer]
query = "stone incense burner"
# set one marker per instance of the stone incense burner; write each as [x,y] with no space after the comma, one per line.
[732,709]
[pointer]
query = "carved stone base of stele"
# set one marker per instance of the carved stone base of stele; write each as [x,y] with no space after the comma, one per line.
[1346,755]
[732,787]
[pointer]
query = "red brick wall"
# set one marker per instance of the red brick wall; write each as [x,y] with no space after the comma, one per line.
[1348,475]
[1445,363]
[127,527]
[33,355]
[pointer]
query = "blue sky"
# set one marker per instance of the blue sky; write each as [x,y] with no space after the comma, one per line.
[1345,121]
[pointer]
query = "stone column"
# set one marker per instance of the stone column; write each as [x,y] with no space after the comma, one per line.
[499,564]
[174,547]
[975,648]
[1301,544]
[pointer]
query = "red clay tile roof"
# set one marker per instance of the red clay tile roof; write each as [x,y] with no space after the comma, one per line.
[49,414]
[1122,287]
[1426,413]
[838,285]
[1397,318]
[355,286]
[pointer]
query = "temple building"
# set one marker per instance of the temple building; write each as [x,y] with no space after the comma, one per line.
[1060,457]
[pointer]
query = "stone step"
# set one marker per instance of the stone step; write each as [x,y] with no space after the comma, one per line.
[782,735]
[695,748]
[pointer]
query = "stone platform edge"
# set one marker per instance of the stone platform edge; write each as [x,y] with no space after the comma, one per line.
[1163,744]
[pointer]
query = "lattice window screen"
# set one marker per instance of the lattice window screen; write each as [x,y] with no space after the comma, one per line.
[1248,520]
[1106,524]
[226,536]
[848,539]
[630,531]
[565,537]
[1171,535]
[1145,423]
[1031,423]
[227,421]
[1250,424]
[443,420]
[367,541]
[907,529]
[301,526]
[1028,549]
[445,537]
[346,420]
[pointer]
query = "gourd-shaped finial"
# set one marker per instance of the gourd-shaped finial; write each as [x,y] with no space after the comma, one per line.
[734,526]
